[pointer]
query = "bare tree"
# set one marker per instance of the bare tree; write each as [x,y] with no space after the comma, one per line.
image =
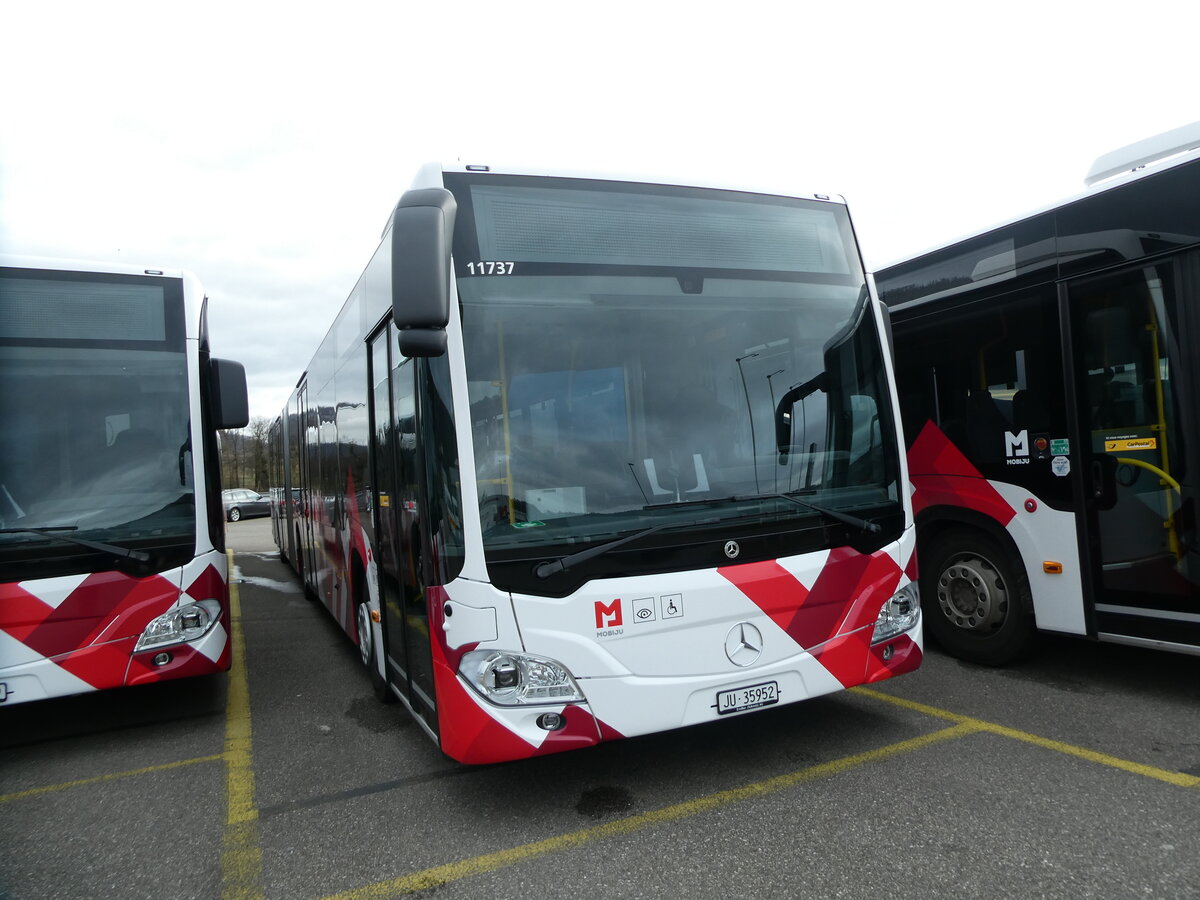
[260,428]
[232,442]
[245,456]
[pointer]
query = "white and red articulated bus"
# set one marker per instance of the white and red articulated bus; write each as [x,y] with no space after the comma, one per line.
[1050,388]
[585,458]
[112,562]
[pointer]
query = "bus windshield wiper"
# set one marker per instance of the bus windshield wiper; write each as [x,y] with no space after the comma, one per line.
[675,504]
[854,521]
[553,567]
[53,531]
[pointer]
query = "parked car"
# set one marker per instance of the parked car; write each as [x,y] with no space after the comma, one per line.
[241,503]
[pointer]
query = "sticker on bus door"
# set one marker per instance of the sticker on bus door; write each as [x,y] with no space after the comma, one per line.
[1122,445]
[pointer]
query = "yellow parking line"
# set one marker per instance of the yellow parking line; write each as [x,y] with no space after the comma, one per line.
[489,862]
[113,776]
[1179,779]
[241,851]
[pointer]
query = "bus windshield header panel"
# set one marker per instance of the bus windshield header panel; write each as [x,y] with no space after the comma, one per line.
[583,224]
[628,347]
[109,310]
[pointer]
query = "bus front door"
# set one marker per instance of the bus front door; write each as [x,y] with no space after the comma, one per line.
[396,477]
[1133,379]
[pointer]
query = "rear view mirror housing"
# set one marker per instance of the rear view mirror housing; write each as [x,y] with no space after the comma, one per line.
[230,398]
[417,342]
[422,231]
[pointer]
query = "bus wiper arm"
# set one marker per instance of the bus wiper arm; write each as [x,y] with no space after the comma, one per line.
[553,567]
[53,531]
[861,524]
[855,521]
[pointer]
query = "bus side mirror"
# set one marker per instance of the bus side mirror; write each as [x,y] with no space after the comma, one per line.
[230,399]
[422,231]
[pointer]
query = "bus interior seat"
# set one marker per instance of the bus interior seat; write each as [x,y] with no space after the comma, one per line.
[1029,411]
[987,426]
[135,442]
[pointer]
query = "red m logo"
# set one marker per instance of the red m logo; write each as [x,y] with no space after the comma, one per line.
[608,615]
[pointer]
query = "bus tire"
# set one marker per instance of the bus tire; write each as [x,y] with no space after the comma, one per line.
[975,598]
[368,650]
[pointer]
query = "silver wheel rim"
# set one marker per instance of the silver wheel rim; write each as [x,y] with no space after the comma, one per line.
[364,634]
[972,595]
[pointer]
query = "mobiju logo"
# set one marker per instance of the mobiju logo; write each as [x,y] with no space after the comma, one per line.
[608,615]
[1016,448]
[1016,444]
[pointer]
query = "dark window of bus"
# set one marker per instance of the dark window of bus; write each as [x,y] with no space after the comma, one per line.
[352,430]
[442,480]
[1155,214]
[1013,256]
[94,397]
[980,373]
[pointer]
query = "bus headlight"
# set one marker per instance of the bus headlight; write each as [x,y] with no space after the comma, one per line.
[188,622]
[899,614]
[518,679]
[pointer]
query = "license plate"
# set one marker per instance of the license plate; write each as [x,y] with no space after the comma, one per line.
[743,698]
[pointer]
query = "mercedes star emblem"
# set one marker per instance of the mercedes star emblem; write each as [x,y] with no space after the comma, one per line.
[743,644]
[732,549]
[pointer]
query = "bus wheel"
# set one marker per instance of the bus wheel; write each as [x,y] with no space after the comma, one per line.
[975,598]
[369,653]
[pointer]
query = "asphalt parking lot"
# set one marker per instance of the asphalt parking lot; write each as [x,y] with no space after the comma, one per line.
[1075,774]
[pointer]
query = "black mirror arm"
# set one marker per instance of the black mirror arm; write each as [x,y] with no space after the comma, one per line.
[783,422]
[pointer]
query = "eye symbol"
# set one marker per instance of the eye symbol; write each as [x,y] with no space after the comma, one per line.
[644,613]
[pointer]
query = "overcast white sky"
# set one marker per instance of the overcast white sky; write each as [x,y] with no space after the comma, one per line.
[263,145]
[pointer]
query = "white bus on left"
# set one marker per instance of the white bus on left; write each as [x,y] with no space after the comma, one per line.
[112,559]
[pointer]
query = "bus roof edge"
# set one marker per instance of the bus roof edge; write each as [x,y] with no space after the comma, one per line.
[1144,152]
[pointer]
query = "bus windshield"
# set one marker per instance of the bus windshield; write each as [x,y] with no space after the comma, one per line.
[634,351]
[96,444]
